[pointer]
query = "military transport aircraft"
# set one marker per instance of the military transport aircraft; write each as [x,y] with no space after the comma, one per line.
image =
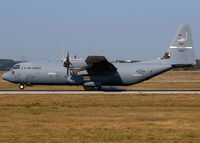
[96,71]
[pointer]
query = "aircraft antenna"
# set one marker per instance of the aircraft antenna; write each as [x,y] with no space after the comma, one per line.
[186,37]
[63,51]
[23,58]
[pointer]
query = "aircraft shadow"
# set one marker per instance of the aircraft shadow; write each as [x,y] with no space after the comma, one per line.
[112,89]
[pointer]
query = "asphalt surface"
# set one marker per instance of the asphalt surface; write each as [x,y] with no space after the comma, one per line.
[104,92]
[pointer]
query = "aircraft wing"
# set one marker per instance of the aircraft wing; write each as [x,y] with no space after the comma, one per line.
[99,64]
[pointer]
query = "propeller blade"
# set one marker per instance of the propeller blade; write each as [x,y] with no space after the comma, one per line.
[68,55]
[67,71]
[67,63]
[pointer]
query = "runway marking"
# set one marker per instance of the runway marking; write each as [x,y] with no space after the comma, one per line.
[101,92]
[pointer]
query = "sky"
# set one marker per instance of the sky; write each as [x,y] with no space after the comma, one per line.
[34,30]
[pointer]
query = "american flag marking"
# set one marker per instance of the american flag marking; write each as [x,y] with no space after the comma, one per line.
[181,41]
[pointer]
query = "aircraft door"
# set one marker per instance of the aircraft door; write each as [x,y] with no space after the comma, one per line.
[58,75]
[29,79]
[54,77]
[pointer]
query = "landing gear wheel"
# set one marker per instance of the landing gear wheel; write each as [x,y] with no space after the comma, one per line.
[92,88]
[21,86]
[99,87]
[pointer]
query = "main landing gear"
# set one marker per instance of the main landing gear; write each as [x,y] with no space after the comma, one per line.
[21,86]
[92,88]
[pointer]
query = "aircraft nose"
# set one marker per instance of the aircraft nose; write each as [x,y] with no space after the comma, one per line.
[5,76]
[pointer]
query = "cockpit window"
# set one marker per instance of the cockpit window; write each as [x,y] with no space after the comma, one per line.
[16,67]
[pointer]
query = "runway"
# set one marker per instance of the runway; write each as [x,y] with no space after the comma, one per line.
[102,92]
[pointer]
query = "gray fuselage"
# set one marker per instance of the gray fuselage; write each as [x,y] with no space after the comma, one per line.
[54,73]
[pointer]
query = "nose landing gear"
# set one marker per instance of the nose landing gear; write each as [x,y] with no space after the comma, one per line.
[21,86]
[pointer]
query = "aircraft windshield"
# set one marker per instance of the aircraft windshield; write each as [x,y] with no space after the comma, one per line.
[15,67]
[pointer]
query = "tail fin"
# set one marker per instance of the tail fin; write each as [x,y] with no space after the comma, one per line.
[181,51]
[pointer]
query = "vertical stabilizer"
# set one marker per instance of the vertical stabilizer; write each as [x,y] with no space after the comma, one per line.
[181,51]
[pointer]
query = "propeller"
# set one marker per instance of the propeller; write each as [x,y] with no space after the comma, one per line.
[67,63]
